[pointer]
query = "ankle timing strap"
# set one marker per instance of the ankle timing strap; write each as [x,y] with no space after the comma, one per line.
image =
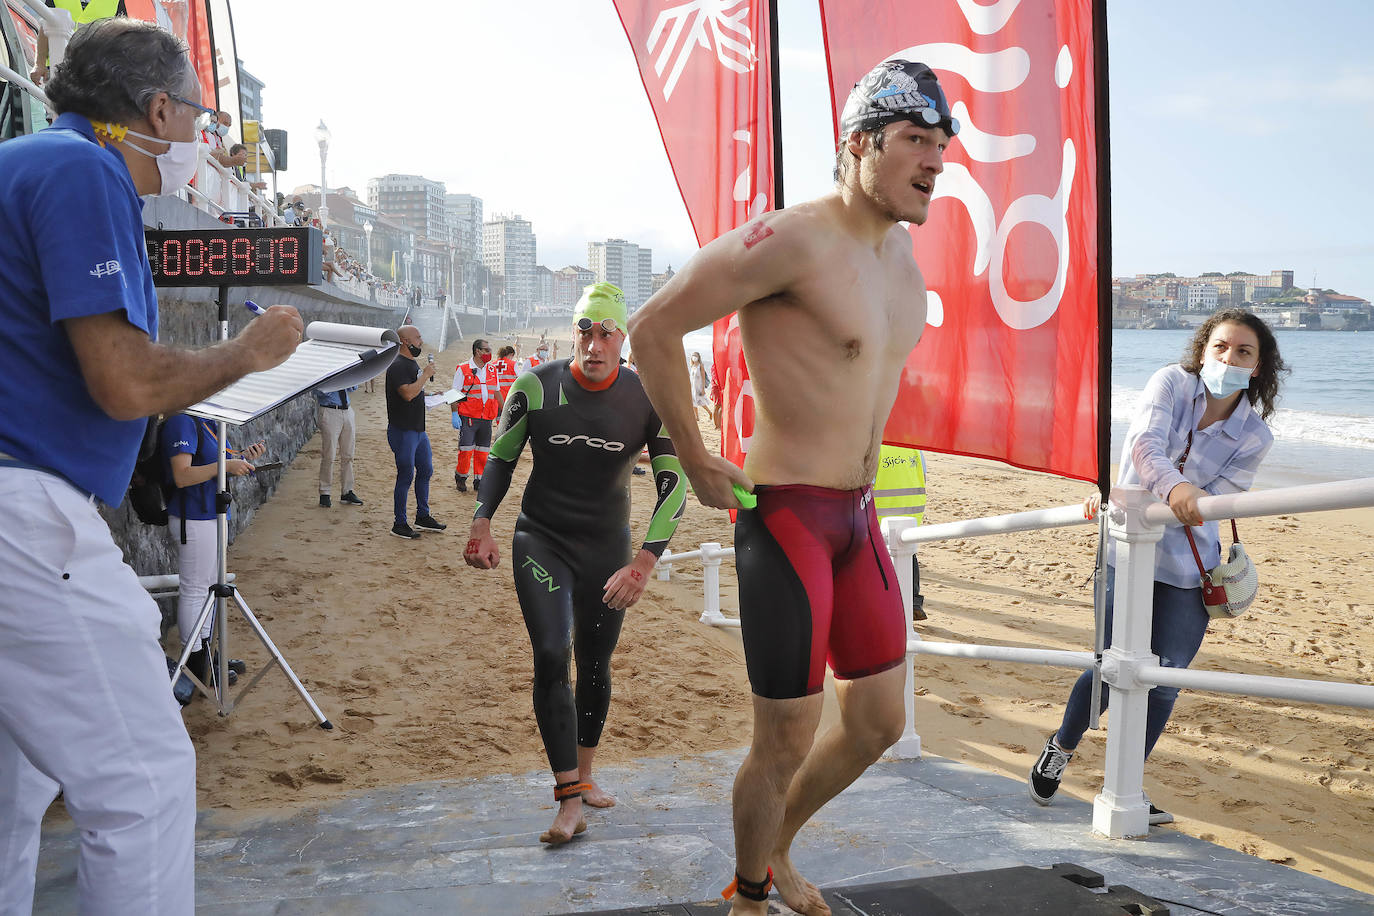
[749,890]
[564,790]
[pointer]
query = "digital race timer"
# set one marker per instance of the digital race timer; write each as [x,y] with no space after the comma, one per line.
[235,257]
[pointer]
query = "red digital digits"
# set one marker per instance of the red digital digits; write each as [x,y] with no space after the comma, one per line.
[218,261]
[171,257]
[290,251]
[216,256]
[472,548]
[636,575]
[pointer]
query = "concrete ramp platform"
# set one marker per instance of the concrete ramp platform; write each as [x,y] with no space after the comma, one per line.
[920,834]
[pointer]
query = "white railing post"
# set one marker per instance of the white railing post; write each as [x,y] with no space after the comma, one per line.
[58,25]
[908,746]
[710,582]
[663,569]
[1120,809]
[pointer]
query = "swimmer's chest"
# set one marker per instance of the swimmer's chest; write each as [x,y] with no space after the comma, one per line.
[590,428]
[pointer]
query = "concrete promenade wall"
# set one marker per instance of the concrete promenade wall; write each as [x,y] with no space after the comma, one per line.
[190,318]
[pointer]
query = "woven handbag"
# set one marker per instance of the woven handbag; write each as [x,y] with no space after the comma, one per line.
[1229,589]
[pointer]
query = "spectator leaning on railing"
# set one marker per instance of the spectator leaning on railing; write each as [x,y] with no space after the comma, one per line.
[83,11]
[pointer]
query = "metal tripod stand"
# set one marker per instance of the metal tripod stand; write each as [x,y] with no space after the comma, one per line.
[222,592]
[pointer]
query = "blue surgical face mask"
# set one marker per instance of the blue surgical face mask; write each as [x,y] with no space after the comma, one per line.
[1223,380]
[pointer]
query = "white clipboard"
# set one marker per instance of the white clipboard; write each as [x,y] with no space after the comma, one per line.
[332,356]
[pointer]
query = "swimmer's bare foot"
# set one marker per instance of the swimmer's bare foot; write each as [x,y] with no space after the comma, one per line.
[567,824]
[596,796]
[795,891]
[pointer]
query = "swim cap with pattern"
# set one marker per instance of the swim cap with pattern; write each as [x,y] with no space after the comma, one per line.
[897,90]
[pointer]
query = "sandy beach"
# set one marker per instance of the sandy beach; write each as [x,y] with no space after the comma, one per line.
[424,667]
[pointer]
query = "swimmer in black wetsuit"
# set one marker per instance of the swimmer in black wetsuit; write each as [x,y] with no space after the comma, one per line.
[586,422]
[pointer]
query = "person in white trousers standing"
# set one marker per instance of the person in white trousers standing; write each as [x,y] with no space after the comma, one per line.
[85,704]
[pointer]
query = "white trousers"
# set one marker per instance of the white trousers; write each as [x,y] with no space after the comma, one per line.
[85,705]
[336,431]
[197,570]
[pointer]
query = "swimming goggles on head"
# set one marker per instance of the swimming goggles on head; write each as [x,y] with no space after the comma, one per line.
[933,119]
[608,325]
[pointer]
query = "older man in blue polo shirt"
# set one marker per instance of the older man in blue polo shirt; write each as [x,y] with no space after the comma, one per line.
[85,703]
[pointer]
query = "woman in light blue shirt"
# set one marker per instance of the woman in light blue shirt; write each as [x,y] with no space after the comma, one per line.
[1198,430]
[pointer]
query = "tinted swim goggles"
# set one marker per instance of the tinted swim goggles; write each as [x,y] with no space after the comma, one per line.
[608,325]
[932,118]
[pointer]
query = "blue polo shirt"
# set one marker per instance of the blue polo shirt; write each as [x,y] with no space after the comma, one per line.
[186,435]
[71,245]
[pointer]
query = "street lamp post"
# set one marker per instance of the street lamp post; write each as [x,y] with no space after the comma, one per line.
[452,272]
[323,136]
[367,230]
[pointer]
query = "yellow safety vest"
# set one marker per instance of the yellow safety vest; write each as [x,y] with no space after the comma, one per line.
[96,9]
[901,485]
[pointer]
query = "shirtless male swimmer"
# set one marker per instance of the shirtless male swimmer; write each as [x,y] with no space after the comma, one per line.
[830,305]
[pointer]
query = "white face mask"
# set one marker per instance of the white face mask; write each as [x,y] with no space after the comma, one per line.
[1222,380]
[222,130]
[176,166]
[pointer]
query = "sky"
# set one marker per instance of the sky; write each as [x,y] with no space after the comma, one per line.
[1242,130]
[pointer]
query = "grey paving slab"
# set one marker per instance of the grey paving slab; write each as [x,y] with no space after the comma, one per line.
[470,847]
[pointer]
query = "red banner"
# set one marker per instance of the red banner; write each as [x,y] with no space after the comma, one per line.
[1008,365]
[189,21]
[706,67]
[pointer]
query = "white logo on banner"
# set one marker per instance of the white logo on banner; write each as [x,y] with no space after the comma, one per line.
[702,24]
[1000,71]
[741,190]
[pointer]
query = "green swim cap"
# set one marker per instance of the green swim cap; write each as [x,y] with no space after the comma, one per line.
[601,301]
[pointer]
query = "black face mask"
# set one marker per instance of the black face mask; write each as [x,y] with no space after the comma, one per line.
[414,350]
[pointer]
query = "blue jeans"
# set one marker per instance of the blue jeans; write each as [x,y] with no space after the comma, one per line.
[1180,622]
[414,461]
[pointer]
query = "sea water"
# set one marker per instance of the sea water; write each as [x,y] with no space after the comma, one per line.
[1323,428]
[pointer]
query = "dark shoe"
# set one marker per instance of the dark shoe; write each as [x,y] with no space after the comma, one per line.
[461,481]
[918,611]
[183,690]
[429,523]
[1159,815]
[351,498]
[324,501]
[1048,771]
[476,484]
[237,666]
[402,530]
[638,471]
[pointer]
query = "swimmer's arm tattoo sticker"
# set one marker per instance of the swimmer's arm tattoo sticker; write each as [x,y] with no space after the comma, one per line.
[756,233]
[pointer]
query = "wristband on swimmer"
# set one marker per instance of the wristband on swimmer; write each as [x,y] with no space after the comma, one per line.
[746,499]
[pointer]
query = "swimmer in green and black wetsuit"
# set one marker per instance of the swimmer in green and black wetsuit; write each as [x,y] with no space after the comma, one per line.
[586,422]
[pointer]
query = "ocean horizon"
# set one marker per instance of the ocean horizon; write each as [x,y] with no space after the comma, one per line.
[1323,427]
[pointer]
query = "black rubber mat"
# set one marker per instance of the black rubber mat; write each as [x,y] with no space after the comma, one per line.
[1061,890]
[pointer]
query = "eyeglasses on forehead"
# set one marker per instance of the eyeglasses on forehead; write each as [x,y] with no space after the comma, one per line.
[607,324]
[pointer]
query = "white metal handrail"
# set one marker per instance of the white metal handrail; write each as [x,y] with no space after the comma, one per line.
[23,82]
